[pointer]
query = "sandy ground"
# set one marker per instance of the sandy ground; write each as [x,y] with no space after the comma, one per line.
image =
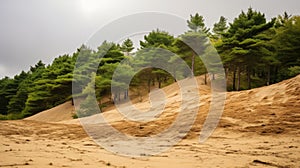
[259,128]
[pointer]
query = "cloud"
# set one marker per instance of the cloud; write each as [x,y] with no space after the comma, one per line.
[34,30]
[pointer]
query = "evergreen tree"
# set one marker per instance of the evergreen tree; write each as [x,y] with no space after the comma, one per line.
[193,44]
[220,28]
[89,105]
[17,102]
[5,86]
[281,20]
[127,46]
[190,46]
[243,45]
[196,24]
[157,38]
[287,43]
[155,50]
[53,87]
[254,52]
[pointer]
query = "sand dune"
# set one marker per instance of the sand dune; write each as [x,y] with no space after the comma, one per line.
[259,128]
[56,114]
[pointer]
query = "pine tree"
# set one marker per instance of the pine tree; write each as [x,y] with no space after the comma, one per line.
[193,44]
[157,38]
[243,45]
[196,24]
[287,43]
[127,46]
[220,28]
[155,51]
[89,106]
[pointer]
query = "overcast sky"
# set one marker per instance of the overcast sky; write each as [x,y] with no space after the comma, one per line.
[33,30]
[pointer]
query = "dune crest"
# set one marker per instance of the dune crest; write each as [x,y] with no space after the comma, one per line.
[259,128]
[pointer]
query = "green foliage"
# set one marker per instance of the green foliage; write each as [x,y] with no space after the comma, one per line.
[3,117]
[193,44]
[245,46]
[10,90]
[254,51]
[220,28]
[89,105]
[293,71]
[155,51]
[74,116]
[11,116]
[53,87]
[17,102]
[287,41]
[157,38]
[5,94]
[190,46]
[196,24]
[281,20]
[127,46]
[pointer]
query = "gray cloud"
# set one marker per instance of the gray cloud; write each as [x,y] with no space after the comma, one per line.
[34,30]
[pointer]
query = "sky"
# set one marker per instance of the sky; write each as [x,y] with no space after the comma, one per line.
[34,30]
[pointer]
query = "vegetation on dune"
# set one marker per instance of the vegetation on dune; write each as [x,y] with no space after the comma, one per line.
[254,52]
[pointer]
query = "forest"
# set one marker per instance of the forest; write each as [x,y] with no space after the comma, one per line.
[254,51]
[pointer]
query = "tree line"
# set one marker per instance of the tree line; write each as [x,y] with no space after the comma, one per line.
[254,52]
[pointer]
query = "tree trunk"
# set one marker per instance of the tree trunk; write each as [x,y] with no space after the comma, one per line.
[126,94]
[239,79]
[226,74]
[193,64]
[174,75]
[100,105]
[115,98]
[149,85]
[249,77]
[275,75]
[159,80]
[205,79]
[234,78]
[269,75]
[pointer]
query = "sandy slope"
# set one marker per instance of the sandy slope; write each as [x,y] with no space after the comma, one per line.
[259,128]
[59,113]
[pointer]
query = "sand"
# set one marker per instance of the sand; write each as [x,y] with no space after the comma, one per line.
[259,128]
[59,113]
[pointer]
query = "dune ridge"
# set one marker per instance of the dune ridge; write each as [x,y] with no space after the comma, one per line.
[259,128]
